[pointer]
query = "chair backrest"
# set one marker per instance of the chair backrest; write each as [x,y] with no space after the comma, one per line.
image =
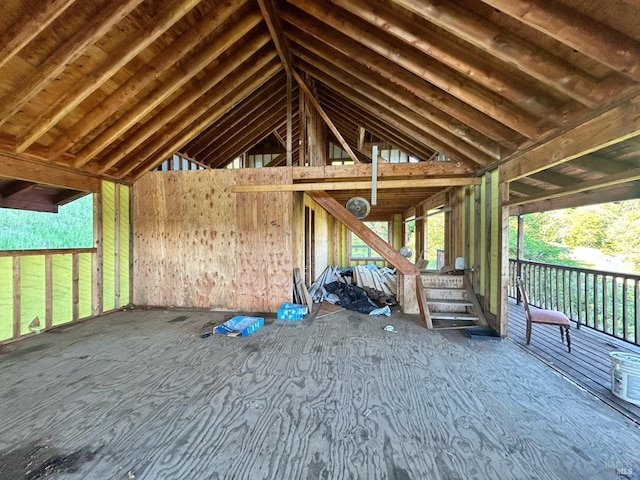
[524,297]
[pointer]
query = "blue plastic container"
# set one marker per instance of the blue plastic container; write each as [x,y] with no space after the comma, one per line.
[240,325]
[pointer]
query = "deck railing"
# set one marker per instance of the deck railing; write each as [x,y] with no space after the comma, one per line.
[605,301]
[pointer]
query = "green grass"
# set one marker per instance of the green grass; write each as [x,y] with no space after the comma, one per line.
[71,227]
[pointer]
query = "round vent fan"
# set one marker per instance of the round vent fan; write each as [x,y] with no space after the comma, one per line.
[359,207]
[405,251]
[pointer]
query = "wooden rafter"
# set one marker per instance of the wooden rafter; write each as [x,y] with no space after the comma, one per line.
[194,66]
[588,36]
[610,127]
[16,187]
[410,70]
[312,100]
[395,113]
[65,54]
[156,67]
[211,113]
[28,27]
[535,62]
[219,70]
[128,49]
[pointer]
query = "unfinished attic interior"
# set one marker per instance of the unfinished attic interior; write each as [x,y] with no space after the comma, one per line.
[221,142]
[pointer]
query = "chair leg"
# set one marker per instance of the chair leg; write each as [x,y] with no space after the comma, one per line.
[561,333]
[528,333]
[568,339]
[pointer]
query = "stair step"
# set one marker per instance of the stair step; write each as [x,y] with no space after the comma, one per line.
[446,289]
[453,316]
[449,301]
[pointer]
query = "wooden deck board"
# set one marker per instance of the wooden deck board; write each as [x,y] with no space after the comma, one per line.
[334,397]
[588,363]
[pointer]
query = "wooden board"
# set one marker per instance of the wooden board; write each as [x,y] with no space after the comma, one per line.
[124,260]
[84,285]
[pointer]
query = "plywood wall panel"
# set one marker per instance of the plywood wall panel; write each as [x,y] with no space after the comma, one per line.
[264,265]
[32,291]
[108,246]
[157,226]
[84,285]
[62,277]
[197,244]
[124,245]
[208,238]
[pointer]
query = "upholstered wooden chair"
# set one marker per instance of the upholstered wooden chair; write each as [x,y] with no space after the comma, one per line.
[543,316]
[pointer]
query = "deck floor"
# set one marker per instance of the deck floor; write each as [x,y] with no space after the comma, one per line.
[139,394]
[588,364]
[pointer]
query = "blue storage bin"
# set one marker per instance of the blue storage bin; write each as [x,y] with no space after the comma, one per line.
[240,325]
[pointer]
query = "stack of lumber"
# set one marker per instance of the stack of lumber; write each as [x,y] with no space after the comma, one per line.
[300,293]
[379,283]
[330,275]
[373,278]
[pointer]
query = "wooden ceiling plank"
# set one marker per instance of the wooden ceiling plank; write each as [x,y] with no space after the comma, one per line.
[253,136]
[423,39]
[408,120]
[610,127]
[219,69]
[360,185]
[381,129]
[64,55]
[597,163]
[179,78]
[614,193]
[310,97]
[525,188]
[21,167]
[428,71]
[15,188]
[553,178]
[509,48]
[586,35]
[28,27]
[156,67]
[237,118]
[210,114]
[252,132]
[129,48]
[416,141]
[445,111]
[609,180]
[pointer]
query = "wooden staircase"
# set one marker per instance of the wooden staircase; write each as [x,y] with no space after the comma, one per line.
[448,302]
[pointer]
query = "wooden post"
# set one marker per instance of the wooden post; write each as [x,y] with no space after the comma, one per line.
[503,259]
[48,288]
[519,250]
[487,244]
[289,120]
[96,299]
[75,287]
[116,245]
[16,297]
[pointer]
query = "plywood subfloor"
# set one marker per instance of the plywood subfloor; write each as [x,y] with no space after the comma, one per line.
[140,393]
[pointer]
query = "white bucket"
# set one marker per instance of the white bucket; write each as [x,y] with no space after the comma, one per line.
[625,376]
